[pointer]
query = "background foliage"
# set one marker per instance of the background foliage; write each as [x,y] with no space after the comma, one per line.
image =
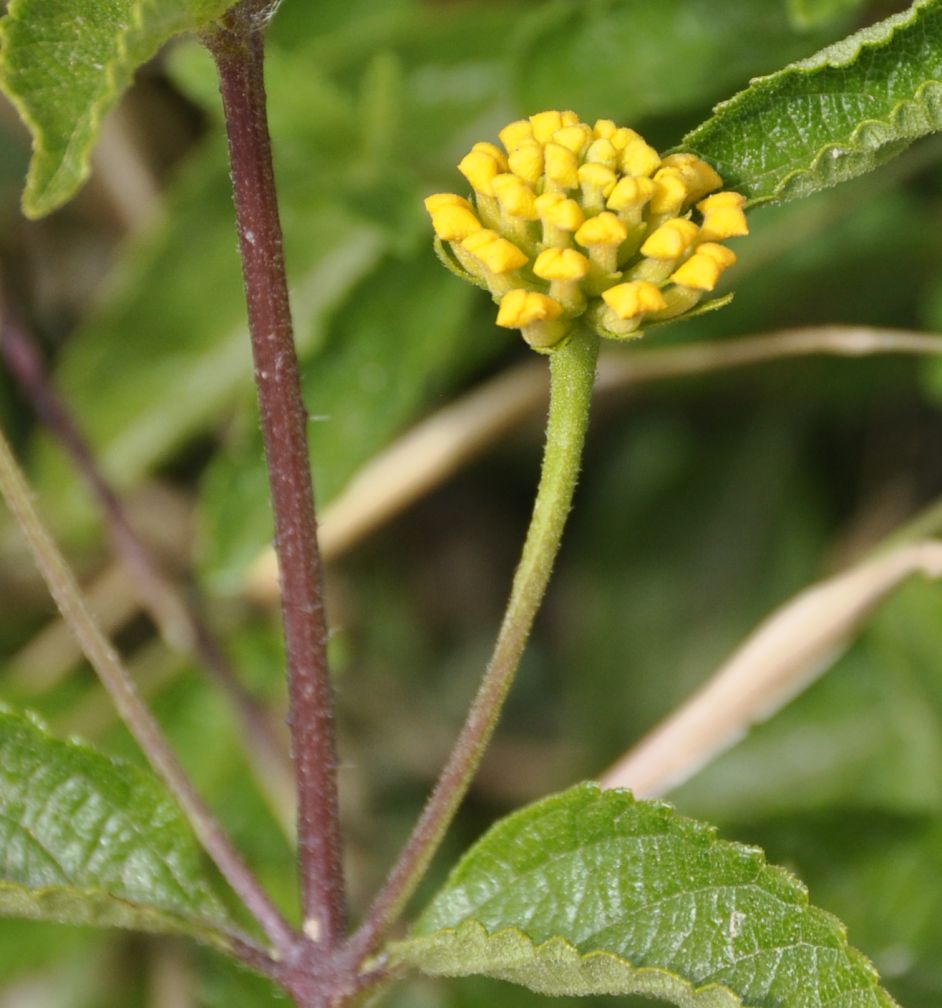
[704,502]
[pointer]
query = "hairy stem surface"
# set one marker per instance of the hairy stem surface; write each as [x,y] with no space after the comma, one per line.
[182,625]
[238,50]
[572,373]
[141,723]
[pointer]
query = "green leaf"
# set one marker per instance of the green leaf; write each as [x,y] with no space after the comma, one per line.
[834,116]
[65,65]
[592,892]
[85,839]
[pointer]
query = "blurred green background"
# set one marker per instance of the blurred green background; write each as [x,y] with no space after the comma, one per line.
[704,503]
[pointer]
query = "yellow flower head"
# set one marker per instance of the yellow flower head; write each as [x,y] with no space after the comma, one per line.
[569,221]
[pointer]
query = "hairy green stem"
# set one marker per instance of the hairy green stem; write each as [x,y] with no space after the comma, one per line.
[135,714]
[572,374]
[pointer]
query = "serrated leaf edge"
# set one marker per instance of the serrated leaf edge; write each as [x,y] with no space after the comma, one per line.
[839,54]
[36,202]
[559,952]
[787,886]
[89,898]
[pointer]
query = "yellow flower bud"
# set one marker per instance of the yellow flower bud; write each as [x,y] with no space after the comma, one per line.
[699,177]
[578,222]
[526,161]
[671,240]
[479,168]
[493,151]
[723,216]
[561,264]
[515,196]
[497,254]
[437,200]
[602,152]
[557,211]
[639,158]
[545,125]
[454,223]
[670,191]
[514,133]
[519,308]
[700,272]
[604,128]
[604,229]
[630,192]
[573,138]
[561,166]
[597,183]
[629,300]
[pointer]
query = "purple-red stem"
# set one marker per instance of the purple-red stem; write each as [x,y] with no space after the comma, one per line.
[238,48]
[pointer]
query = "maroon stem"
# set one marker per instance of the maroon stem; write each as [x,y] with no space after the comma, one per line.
[238,48]
[176,619]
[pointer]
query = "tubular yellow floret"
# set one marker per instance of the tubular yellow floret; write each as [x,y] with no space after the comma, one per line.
[526,161]
[515,196]
[437,200]
[670,191]
[561,264]
[701,272]
[604,128]
[519,308]
[720,254]
[723,216]
[630,193]
[605,229]
[558,211]
[597,183]
[494,151]
[639,158]
[454,223]
[574,138]
[629,300]
[545,125]
[479,168]
[513,133]
[602,152]
[561,166]
[579,222]
[497,254]
[671,240]
[699,177]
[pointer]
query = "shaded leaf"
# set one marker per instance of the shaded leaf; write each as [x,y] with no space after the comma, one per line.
[833,116]
[65,66]
[592,892]
[85,839]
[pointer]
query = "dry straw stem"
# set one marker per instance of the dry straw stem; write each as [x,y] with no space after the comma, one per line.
[438,447]
[788,652]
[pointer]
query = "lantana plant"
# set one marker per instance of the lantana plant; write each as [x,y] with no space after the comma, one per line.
[579,233]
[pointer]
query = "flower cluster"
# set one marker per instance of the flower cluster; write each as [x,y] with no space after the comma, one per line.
[570,220]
